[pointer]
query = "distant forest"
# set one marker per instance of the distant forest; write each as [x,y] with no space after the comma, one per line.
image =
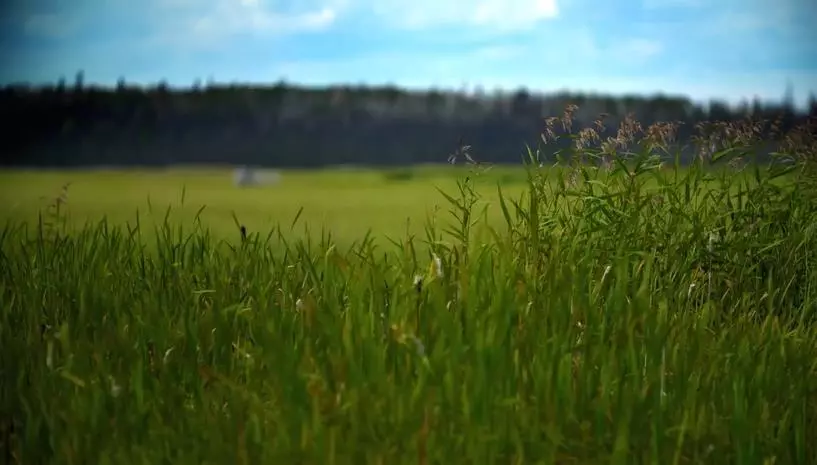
[283,125]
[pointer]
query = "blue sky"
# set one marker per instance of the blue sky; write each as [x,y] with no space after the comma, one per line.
[729,49]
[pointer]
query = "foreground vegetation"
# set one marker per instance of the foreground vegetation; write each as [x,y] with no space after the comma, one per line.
[625,314]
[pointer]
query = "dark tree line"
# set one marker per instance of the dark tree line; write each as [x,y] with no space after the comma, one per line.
[288,126]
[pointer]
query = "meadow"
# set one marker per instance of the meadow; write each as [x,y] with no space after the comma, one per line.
[348,202]
[623,312]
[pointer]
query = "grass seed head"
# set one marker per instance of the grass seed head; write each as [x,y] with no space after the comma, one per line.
[587,137]
[549,133]
[567,117]
[660,135]
[599,122]
[627,131]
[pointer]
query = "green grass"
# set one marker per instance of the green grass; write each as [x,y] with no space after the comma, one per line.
[349,203]
[633,317]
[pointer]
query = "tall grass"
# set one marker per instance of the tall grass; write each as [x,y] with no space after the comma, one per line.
[629,312]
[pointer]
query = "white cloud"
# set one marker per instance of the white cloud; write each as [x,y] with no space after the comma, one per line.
[221,18]
[251,18]
[498,14]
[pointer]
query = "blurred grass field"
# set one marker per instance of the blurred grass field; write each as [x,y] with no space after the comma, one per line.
[346,202]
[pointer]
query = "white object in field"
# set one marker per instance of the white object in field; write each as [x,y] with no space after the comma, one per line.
[248,176]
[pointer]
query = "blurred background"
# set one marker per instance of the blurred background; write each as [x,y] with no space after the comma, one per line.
[253,88]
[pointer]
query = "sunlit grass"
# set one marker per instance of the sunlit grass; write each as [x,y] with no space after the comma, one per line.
[349,202]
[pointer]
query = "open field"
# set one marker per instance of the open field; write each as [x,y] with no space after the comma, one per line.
[390,203]
[640,316]
[347,202]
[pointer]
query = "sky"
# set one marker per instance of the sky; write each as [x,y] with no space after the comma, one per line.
[725,49]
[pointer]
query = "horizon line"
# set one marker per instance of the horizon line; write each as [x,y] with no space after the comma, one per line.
[465,89]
